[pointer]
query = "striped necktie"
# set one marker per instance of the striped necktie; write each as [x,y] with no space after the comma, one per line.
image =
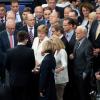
[31,36]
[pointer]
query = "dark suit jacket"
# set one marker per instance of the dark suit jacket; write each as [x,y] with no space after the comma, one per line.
[72,43]
[66,44]
[92,34]
[20,62]
[95,43]
[4,46]
[29,44]
[83,58]
[4,41]
[46,80]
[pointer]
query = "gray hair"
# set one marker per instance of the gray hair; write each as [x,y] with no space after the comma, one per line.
[10,21]
[83,28]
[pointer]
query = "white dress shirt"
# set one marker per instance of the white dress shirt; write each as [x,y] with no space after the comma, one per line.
[18,17]
[31,30]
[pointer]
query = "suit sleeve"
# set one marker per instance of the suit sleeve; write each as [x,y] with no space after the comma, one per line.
[43,74]
[88,55]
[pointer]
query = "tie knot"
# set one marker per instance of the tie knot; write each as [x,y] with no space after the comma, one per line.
[31,28]
[77,45]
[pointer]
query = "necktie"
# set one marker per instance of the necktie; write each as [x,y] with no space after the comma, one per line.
[11,41]
[76,47]
[97,32]
[48,24]
[31,35]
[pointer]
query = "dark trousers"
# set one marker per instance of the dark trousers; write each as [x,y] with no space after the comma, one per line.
[82,88]
[22,93]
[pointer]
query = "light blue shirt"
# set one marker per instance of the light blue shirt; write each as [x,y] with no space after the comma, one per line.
[69,35]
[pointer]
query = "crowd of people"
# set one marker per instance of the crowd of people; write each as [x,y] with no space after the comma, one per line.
[51,52]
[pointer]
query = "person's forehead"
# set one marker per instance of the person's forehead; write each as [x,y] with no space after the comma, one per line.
[51,0]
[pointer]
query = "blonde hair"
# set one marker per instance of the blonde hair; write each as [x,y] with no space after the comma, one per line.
[93,15]
[43,28]
[58,44]
[47,46]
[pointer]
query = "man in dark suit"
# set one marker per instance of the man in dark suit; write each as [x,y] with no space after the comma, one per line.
[15,9]
[82,63]
[20,62]
[2,14]
[7,40]
[94,37]
[30,28]
[68,25]
[52,5]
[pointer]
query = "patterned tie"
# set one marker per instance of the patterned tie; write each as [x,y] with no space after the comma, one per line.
[76,47]
[31,35]
[11,41]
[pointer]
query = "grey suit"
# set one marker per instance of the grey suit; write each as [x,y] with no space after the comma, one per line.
[82,64]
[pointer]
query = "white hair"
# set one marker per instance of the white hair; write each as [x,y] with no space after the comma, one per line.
[83,28]
[10,21]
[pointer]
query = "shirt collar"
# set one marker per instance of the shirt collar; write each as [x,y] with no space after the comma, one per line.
[70,33]
[30,27]
[61,36]
[80,42]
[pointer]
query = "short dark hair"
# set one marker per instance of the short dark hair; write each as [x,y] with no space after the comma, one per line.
[27,9]
[59,27]
[22,35]
[76,13]
[70,20]
[47,8]
[14,1]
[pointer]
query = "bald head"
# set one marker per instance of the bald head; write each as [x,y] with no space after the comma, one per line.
[38,12]
[81,32]
[30,20]
[10,25]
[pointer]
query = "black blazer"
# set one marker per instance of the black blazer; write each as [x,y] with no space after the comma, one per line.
[4,41]
[72,43]
[25,28]
[46,80]
[20,62]
[61,11]
[66,44]
[2,27]
[83,58]
[92,34]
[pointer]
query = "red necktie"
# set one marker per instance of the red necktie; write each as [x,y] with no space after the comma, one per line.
[11,41]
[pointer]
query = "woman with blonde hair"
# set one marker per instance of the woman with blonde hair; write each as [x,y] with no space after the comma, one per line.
[61,71]
[42,31]
[47,88]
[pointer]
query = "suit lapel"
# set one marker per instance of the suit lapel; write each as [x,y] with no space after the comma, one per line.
[95,28]
[7,43]
[81,47]
[15,39]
